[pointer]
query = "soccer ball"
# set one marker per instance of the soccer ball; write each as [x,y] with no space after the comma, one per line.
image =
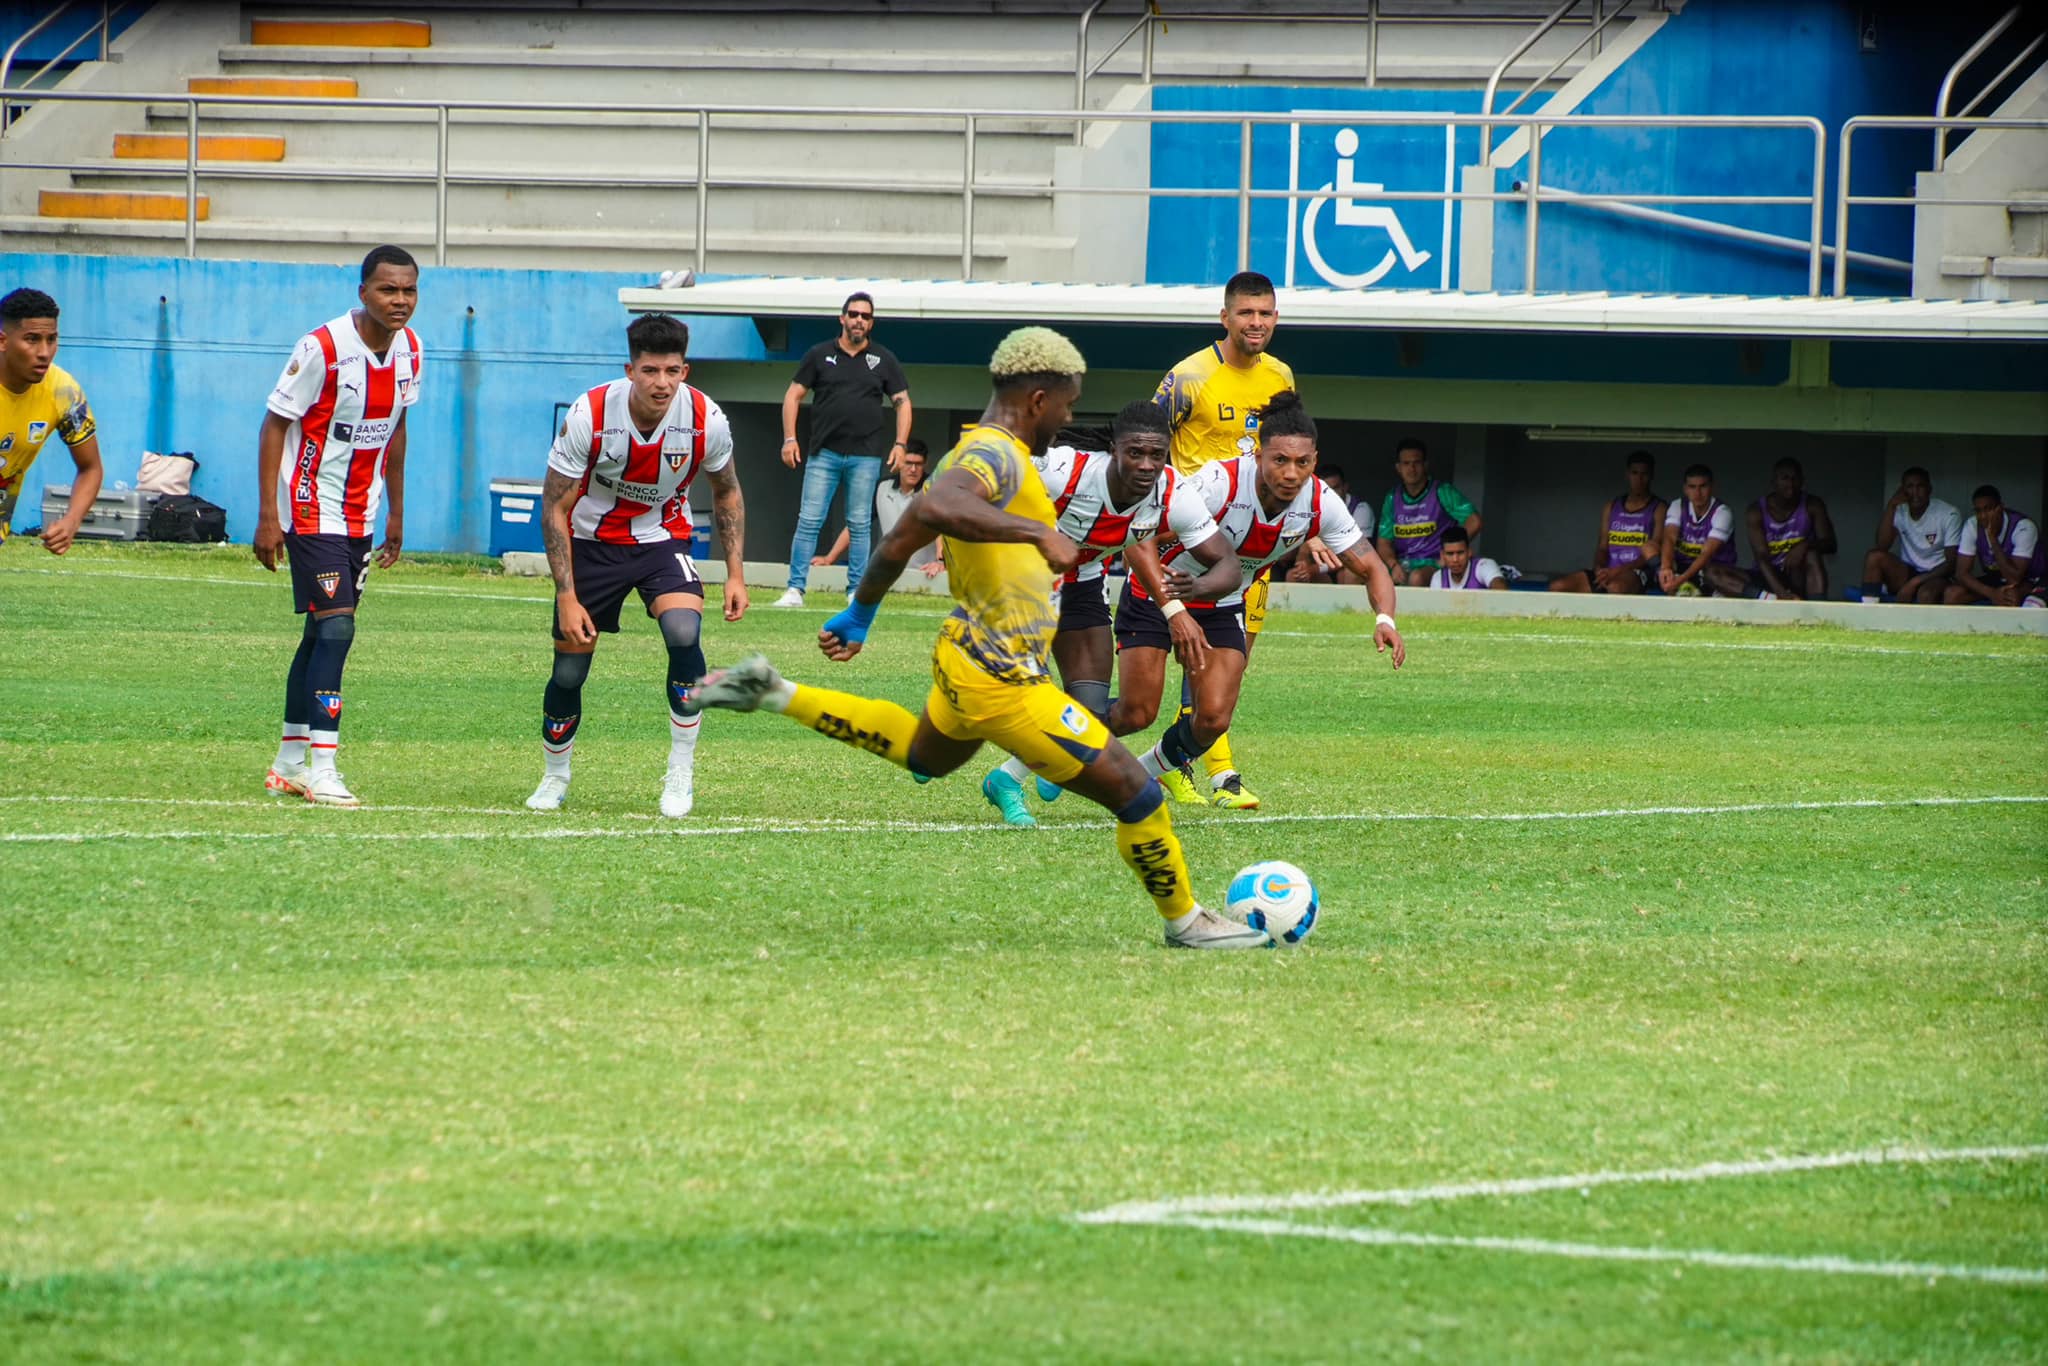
[1275,897]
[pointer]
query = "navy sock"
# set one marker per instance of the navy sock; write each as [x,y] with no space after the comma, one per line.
[298,706]
[1177,746]
[680,628]
[562,705]
[332,637]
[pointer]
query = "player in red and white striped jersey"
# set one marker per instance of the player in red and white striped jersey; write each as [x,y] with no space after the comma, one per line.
[332,442]
[1106,501]
[615,516]
[1266,505]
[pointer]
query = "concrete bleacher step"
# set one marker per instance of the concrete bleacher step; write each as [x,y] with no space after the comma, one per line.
[2020,267]
[310,87]
[353,33]
[119,205]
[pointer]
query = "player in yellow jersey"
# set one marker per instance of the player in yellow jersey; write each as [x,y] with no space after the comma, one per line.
[1213,400]
[38,401]
[991,680]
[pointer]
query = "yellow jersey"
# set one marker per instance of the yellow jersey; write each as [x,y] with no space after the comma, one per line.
[54,404]
[1004,621]
[1213,406]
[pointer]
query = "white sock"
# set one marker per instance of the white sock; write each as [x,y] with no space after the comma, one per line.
[321,750]
[1154,762]
[778,698]
[1017,769]
[558,757]
[682,740]
[1216,779]
[291,751]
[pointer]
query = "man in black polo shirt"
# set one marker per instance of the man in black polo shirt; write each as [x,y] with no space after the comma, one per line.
[856,383]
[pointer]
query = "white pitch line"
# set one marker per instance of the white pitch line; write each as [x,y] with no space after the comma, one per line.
[1539,1247]
[1158,1211]
[828,826]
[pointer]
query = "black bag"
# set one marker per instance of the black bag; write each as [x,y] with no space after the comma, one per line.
[186,518]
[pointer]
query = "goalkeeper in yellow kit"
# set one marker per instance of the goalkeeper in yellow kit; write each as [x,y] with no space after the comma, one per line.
[1212,400]
[990,675]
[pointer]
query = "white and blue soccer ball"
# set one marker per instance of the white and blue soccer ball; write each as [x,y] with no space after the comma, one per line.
[1275,897]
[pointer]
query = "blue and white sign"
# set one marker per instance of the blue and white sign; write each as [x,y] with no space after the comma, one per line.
[1342,237]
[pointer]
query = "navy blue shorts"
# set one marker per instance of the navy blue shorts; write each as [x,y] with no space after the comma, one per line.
[1141,625]
[605,574]
[328,572]
[1083,607]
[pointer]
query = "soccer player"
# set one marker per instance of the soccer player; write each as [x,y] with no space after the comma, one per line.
[2003,560]
[990,680]
[1266,506]
[1790,530]
[1918,538]
[1212,399]
[36,399]
[1631,530]
[615,518]
[338,413]
[1105,502]
[1461,568]
[1699,542]
[1414,514]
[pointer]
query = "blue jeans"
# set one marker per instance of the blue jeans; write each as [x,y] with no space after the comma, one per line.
[824,473]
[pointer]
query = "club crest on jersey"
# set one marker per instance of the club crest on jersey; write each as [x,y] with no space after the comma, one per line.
[6,443]
[330,582]
[1075,720]
[329,703]
[873,360]
[676,459]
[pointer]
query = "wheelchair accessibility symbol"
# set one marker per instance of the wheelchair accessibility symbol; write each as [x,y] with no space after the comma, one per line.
[1349,215]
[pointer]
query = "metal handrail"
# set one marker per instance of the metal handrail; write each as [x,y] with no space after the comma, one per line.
[1535,36]
[1707,227]
[700,181]
[1844,200]
[1372,18]
[1956,69]
[1558,65]
[107,12]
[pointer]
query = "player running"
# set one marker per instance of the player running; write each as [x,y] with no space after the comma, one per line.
[1105,502]
[615,517]
[1265,505]
[38,400]
[338,416]
[1213,399]
[990,680]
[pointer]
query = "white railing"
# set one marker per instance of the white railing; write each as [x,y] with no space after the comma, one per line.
[1560,15]
[695,181]
[103,30]
[1844,201]
[1963,63]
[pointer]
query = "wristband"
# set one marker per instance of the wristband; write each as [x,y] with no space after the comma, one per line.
[1172,608]
[789,441]
[1382,619]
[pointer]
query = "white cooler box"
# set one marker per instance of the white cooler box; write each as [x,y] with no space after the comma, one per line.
[115,515]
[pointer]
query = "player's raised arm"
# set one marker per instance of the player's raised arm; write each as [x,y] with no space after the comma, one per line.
[729,515]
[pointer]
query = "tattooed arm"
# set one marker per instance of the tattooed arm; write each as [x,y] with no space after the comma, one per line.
[729,515]
[557,496]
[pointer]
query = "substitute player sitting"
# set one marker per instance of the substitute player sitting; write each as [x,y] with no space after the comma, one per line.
[1461,569]
[1105,501]
[990,674]
[39,400]
[1791,532]
[1631,536]
[1266,506]
[615,517]
[1699,542]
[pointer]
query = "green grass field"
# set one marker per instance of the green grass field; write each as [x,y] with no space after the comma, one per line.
[829,1071]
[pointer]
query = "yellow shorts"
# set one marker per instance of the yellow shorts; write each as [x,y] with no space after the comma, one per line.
[1053,734]
[1255,602]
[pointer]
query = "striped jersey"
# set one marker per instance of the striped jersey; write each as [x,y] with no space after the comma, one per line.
[1079,484]
[1228,492]
[634,486]
[345,404]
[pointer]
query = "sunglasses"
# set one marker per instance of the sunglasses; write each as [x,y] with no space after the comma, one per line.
[851,314]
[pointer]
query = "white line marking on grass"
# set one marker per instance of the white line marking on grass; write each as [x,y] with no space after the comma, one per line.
[1158,1210]
[1539,1247]
[827,826]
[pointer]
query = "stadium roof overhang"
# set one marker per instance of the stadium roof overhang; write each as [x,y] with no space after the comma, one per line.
[769,299]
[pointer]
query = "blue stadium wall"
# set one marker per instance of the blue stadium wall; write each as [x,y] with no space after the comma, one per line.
[179,355]
[1803,57]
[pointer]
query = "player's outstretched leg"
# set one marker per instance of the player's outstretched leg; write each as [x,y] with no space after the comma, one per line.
[868,723]
[561,712]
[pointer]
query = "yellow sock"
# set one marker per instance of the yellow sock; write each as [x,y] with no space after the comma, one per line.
[1218,759]
[1153,851]
[864,722]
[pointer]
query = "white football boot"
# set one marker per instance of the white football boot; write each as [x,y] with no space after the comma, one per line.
[552,792]
[740,688]
[288,780]
[1209,930]
[791,597]
[325,788]
[678,792]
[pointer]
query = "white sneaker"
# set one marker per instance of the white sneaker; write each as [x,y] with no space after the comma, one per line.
[289,781]
[1209,930]
[325,788]
[791,597]
[678,793]
[739,688]
[552,792]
